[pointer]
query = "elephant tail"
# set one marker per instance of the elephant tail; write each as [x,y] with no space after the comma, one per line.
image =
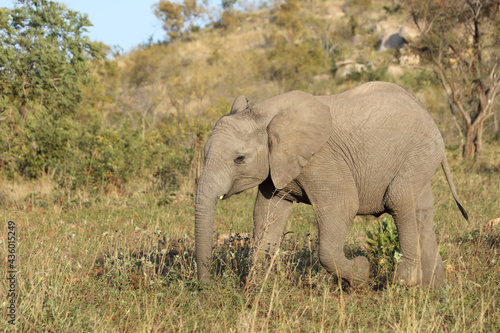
[449,178]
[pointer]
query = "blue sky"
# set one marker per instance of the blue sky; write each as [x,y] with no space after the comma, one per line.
[123,23]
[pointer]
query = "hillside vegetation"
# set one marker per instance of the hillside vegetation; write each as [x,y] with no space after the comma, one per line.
[145,113]
[99,180]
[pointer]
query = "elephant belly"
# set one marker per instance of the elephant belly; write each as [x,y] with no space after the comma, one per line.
[372,205]
[375,210]
[371,195]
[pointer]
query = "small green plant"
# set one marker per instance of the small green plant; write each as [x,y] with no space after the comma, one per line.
[383,244]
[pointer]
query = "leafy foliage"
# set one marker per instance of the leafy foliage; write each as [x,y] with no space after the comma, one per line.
[43,69]
[383,244]
[293,71]
[58,97]
[43,62]
[460,40]
[86,121]
[175,16]
[289,18]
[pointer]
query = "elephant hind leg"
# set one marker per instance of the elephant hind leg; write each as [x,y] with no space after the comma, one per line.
[400,203]
[432,264]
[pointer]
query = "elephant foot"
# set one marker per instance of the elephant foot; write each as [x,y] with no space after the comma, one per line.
[360,272]
[408,273]
[437,281]
[434,276]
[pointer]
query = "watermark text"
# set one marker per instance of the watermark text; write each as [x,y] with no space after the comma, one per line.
[11,272]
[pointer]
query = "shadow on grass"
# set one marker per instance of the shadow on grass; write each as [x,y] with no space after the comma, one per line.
[488,169]
[173,261]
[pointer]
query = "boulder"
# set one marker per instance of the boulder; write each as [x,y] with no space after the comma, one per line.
[350,66]
[396,38]
[409,33]
[392,40]
[408,58]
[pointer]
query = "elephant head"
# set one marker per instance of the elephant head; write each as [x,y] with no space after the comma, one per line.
[276,138]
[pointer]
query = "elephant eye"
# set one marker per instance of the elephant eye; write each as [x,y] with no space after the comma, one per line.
[239,159]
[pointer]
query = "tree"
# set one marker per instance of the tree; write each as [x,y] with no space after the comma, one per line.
[461,40]
[229,16]
[228,4]
[43,69]
[43,56]
[176,15]
[289,18]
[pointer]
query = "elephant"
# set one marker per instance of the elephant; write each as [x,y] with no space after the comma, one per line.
[366,151]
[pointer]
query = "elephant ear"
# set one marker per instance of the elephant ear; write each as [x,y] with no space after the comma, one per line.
[239,104]
[300,128]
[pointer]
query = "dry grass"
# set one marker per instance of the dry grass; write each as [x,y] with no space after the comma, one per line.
[122,263]
[17,191]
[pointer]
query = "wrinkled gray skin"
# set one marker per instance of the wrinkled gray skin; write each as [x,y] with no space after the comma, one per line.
[367,151]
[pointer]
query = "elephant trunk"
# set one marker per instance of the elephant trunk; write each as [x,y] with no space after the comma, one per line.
[210,188]
[204,223]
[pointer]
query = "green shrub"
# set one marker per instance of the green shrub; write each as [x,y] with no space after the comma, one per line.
[33,144]
[294,64]
[44,57]
[383,244]
[363,4]
[419,80]
[377,74]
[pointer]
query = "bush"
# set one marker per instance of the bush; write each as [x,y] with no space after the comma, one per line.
[294,64]
[419,80]
[377,74]
[43,69]
[383,244]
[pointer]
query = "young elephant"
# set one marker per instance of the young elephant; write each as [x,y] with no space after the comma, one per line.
[367,151]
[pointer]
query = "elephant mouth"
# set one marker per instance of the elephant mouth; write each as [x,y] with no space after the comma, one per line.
[240,186]
[225,196]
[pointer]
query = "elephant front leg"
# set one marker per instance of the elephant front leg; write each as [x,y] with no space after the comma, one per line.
[335,203]
[333,228]
[270,215]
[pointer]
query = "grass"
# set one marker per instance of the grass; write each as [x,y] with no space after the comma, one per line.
[121,262]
